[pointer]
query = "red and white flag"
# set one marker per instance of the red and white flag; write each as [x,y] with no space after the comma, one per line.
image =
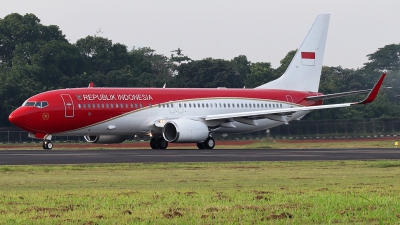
[308,58]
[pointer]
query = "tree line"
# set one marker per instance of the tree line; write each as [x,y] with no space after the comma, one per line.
[35,58]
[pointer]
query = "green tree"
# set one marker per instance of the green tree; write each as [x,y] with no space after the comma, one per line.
[386,58]
[101,55]
[208,73]
[17,30]
[260,73]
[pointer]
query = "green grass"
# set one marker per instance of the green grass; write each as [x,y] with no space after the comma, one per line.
[334,192]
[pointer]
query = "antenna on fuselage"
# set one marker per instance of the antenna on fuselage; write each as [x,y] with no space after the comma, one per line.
[164,85]
[91,84]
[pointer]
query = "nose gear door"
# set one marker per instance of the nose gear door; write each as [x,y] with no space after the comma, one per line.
[68,105]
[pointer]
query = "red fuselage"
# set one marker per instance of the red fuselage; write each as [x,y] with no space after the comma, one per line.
[72,109]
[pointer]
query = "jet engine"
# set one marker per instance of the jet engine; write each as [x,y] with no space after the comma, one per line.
[185,130]
[106,139]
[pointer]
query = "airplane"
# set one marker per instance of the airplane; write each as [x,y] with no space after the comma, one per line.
[191,115]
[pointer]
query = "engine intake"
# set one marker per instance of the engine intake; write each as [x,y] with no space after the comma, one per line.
[106,139]
[185,130]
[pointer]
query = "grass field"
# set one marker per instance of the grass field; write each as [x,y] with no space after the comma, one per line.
[333,192]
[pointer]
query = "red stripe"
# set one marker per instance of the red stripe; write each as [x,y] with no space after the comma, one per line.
[308,55]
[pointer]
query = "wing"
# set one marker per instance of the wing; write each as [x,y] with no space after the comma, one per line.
[277,114]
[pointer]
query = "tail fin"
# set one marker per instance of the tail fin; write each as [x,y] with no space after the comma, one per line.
[304,72]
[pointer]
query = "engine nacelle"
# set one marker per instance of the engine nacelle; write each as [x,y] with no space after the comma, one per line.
[185,130]
[106,139]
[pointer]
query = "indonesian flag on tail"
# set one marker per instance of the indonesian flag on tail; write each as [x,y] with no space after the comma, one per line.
[308,58]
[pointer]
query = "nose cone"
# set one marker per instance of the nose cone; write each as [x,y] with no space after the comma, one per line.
[17,118]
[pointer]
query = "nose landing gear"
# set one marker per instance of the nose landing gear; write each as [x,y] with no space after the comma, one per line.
[47,144]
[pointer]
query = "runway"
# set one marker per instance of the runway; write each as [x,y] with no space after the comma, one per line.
[35,157]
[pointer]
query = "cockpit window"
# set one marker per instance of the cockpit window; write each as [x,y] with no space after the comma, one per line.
[36,104]
[28,104]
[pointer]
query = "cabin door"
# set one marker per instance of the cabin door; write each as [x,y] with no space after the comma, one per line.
[68,105]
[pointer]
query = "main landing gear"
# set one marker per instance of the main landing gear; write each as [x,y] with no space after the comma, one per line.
[158,143]
[209,143]
[47,144]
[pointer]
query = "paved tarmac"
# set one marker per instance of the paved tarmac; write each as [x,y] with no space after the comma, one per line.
[34,157]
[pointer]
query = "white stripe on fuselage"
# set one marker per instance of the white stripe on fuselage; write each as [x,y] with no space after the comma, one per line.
[141,121]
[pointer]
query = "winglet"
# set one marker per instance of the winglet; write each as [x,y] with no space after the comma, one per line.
[374,92]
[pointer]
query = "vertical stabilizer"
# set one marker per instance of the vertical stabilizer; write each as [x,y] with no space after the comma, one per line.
[304,72]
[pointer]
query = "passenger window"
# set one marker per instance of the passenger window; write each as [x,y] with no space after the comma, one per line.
[132,105]
[112,105]
[84,106]
[116,105]
[194,105]
[126,105]
[150,105]
[198,104]
[136,106]
[141,105]
[79,105]
[98,105]
[184,105]
[102,105]
[122,105]
[88,105]
[107,105]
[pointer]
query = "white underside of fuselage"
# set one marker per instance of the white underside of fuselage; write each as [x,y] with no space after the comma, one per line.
[142,121]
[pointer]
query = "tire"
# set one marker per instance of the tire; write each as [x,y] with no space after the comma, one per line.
[209,143]
[47,145]
[153,143]
[162,143]
[201,145]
